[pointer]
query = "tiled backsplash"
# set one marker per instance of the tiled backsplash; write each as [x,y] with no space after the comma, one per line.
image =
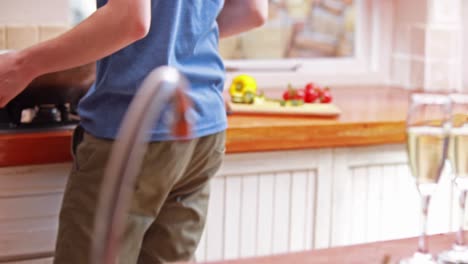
[428,45]
[13,37]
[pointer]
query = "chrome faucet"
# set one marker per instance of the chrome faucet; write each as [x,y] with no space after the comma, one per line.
[162,86]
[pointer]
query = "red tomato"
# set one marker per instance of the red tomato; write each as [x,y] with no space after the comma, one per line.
[310,96]
[319,91]
[299,94]
[287,95]
[290,93]
[293,94]
[309,86]
[326,96]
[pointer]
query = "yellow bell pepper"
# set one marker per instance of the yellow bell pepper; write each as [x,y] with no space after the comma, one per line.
[243,89]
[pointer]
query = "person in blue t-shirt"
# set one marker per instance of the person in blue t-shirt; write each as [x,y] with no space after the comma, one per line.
[128,39]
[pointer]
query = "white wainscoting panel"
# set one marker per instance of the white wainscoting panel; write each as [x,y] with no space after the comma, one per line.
[30,200]
[261,203]
[375,193]
[267,203]
[277,202]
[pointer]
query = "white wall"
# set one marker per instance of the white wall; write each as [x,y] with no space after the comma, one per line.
[427,45]
[406,14]
[34,11]
[465,44]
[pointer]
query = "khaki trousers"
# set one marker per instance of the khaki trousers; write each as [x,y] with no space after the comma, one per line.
[168,209]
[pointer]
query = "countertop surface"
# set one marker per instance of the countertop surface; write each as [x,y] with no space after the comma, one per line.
[370,116]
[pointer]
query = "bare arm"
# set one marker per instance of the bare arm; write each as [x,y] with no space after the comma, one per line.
[239,16]
[111,28]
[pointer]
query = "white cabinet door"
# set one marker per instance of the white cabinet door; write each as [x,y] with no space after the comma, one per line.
[277,202]
[375,198]
[269,203]
[30,200]
[261,203]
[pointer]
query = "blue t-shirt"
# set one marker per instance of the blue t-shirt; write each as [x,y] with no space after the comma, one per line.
[184,34]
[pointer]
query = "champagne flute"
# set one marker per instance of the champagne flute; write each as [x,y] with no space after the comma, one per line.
[458,156]
[428,124]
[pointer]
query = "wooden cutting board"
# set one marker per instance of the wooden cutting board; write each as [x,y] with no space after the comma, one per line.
[274,108]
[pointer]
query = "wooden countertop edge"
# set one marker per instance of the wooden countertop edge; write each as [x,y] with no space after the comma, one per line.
[35,148]
[257,139]
[54,147]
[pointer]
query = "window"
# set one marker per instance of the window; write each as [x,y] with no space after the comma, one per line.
[298,29]
[359,54]
[328,41]
[80,9]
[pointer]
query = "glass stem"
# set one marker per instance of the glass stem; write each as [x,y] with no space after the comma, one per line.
[461,231]
[422,245]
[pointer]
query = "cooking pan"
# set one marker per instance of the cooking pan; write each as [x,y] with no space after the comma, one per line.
[66,86]
[58,88]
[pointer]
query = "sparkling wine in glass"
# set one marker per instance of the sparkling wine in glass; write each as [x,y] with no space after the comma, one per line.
[458,156]
[428,124]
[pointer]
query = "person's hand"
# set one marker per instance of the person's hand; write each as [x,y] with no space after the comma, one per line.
[13,77]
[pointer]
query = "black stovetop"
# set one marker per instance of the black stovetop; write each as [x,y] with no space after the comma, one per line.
[37,119]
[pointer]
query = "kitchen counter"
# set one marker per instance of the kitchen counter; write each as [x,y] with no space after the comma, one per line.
[370,116]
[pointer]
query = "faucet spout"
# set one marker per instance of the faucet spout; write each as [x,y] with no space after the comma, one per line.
[162,86]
